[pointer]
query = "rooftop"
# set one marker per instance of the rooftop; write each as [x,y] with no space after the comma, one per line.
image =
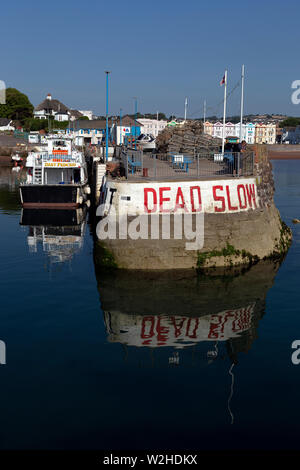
[52,105]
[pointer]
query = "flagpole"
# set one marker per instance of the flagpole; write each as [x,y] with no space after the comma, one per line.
[204,112]
[224,111]
[185,109]
[242,102]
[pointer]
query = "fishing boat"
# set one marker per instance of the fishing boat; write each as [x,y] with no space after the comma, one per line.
[56,176]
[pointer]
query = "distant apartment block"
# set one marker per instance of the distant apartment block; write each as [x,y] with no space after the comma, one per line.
[265,133]
[251,133]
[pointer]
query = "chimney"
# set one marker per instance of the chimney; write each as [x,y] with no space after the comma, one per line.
[49,97]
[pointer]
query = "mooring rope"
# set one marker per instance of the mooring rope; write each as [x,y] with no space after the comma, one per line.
[231,392]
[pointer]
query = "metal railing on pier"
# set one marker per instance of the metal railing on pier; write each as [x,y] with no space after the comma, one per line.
[160,166]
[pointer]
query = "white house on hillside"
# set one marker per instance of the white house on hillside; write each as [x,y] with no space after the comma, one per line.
[55,109]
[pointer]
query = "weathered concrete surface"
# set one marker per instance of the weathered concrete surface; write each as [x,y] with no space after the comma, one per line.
[258,233]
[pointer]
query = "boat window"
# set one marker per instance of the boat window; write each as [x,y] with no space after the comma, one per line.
[59,143]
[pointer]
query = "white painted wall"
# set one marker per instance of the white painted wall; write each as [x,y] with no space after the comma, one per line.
[216,196]
[152,126]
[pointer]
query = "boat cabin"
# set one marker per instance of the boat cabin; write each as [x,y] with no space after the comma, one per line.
[60,164]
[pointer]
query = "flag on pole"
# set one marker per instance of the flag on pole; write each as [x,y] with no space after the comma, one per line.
[222,82]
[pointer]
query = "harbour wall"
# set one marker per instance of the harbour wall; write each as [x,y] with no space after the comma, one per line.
[241,223]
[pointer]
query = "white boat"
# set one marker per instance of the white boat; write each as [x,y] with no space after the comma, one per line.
[146,142]
[16,157]
[56,176]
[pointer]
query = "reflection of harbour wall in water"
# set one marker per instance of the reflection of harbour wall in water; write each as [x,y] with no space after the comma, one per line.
[177,331]
[180,309]
[182,293]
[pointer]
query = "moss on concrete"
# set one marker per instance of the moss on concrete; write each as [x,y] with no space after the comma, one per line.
[284,241]
[105,258]
[229,253]
[233,256]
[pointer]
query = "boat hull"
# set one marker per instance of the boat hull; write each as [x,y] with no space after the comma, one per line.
[52,196]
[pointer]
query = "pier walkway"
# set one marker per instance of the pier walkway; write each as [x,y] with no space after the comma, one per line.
[143,166]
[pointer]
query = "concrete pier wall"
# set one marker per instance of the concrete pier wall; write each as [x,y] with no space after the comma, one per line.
[241,222]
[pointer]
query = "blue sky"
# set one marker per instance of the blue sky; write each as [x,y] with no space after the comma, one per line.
[159,51]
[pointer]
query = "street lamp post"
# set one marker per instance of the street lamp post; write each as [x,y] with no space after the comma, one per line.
[121,135]
[106,134]
[135,112]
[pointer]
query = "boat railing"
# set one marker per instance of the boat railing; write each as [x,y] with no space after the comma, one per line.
[60,157]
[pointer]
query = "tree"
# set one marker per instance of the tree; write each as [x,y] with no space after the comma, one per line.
[154,116]
[17,107]
[83,118]
[31,124]
[234,119]
[290,122]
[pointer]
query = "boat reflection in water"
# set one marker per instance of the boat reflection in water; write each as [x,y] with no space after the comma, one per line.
[60,233]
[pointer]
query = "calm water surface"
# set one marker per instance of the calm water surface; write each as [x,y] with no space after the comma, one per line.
[124,361]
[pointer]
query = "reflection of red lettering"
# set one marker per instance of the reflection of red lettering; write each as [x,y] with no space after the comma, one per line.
[216,330]
[241,186]
[230,207]
[192,198]
[229,314]
[250,188]
[178,204]
[145,335]
[219,198]
[177,328]
[193,335]
[213,328]
[163,199]
[162,332]
[242,321]
[146,204]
